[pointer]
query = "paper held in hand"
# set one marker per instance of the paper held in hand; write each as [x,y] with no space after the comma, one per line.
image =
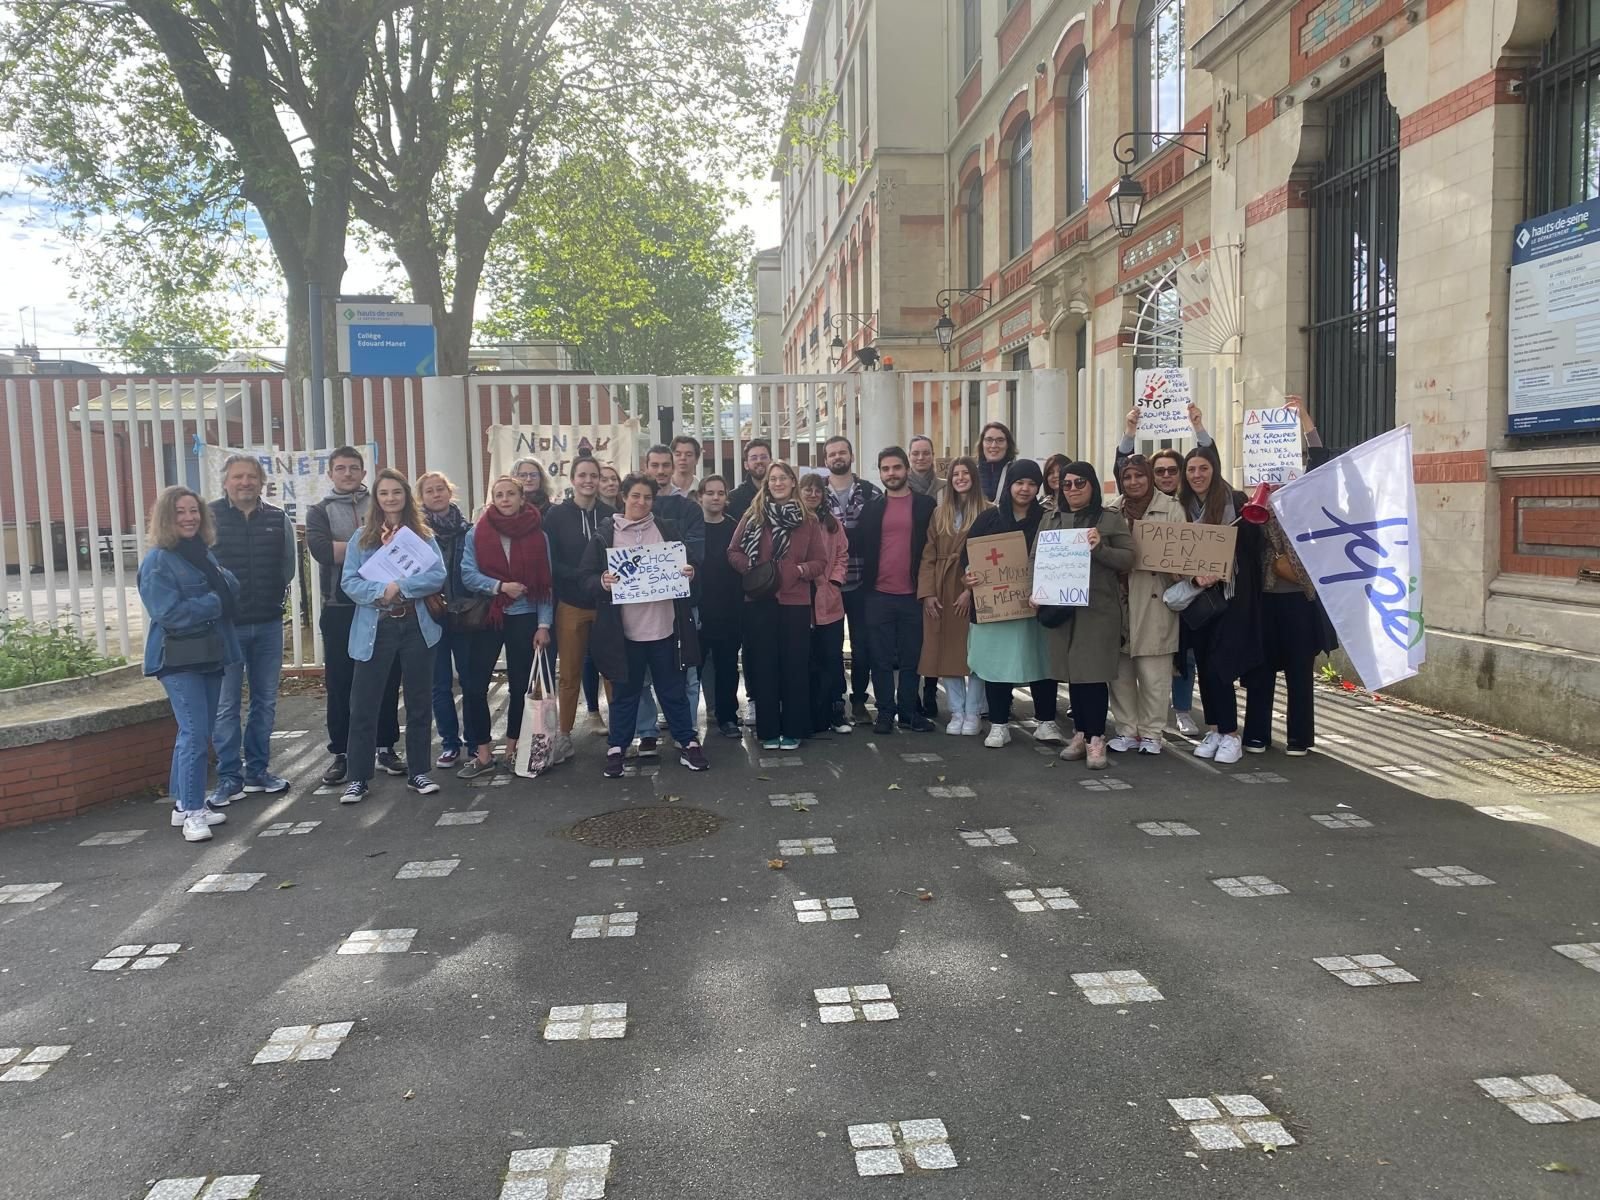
[1271,439]
[1005,577]
[405,555]
[1185,550]
[646,573]
[1061,567]
[1162,396]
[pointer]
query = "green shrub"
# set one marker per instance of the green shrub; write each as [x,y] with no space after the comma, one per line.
[37,653]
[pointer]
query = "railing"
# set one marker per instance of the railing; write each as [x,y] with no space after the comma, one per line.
[796,413]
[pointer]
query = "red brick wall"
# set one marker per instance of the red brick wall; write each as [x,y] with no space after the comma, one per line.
[1483,92]
[1550,524]
[60,779]
[1014,31]
[1452,466]
[1280,199]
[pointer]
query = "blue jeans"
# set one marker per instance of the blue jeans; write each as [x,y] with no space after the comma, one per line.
[645,724]
[194,699]
[1183,684]
[658,662]
[451,645]
[262,644]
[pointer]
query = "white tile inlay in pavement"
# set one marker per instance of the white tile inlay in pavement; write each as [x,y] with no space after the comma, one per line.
[1585,954]
[1257,777]
[558,1173]
[24,1064]
[1231,1122]
[617,924]
[378,941]
[1168,829]
[1040,899]
[585,1022]
[1105,783]
[206,1187]
[835,908]
[1512,812]
[436,868]
[1365,970]
[25,893]
[895,1147]
[474,816]
[284,735]
[288,828]
[1115,987]
[239,881]
[978,838]
[137,957]
[303,1043]
[788,760]
[1409,771]
[1461,733]
[115,837]
[1341,820]
[793,800]
[952,792]
[1540,1099]
[1245,886]
[921,758]
[859,1002]
[1452,876]
[795,847]
[616,862]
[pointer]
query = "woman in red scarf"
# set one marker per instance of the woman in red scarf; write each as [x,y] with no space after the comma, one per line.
[506,556]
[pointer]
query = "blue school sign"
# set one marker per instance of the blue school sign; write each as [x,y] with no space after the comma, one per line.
[1554,329]
[386,339]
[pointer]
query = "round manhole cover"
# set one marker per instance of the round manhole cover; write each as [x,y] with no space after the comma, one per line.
[644,828]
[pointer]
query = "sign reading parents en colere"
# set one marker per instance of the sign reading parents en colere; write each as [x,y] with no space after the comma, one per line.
[1185,550]
[646,573]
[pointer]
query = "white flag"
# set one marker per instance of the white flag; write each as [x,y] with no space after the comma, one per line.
[1353,522]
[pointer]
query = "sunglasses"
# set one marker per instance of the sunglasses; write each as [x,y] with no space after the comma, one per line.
[1073,485]
[1166,470]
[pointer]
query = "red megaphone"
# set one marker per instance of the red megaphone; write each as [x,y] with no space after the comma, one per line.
[1256,511]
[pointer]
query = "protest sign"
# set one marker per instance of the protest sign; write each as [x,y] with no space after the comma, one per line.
[1271,446]
[1186,549]
[1061,567]
[295,479]
[557,447]
[1162,397]
[646,573]
[1353,524]
[1005,577]
[404,555]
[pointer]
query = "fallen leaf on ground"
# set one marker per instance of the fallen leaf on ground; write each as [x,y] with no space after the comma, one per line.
[1559,1168]
[765,778]
[410,1095]
[672,799]
[285,884]
[941,779]
[777,864]
[376,853]
[894,787]
[924,895]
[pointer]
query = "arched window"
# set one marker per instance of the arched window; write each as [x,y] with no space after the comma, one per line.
[1158,71]
[972,233]
[1020,226]
[1158,337]
[1564,112]
[1077,147]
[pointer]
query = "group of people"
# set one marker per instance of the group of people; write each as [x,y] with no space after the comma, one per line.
[779,569]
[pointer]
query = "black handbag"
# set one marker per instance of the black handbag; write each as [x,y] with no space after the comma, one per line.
[1054,616]
[1204,608]
[761,581]
[197,649]
[467,614]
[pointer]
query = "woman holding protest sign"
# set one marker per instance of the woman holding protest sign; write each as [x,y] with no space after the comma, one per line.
[783,555]
[946,599]
[1084,640]
[1010,652]
[1167,467]
[506,557]
[633,638]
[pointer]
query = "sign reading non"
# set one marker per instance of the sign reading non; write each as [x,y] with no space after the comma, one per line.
[1162,397]
[557,447]
[1271,446]
[1184,549]
[295,479]
[385,339]
[646,573]
[1005,577]
[1061,567]
[1554,329]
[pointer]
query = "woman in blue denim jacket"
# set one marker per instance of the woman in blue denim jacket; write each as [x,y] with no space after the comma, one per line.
[391,623]
[190,639]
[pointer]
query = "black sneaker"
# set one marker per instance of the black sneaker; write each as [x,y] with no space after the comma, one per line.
[921,724]
[730,729]
[389,761]
[648,748]
[354,794]
[859,714]
[693,757]
[336,770]
[615,762]
[422,785]
[883,725]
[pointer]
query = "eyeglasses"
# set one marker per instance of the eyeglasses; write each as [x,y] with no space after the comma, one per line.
[1073,485]
[527,475]
[1166,470]
[996,440]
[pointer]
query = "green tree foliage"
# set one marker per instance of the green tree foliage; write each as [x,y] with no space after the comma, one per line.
[629,262]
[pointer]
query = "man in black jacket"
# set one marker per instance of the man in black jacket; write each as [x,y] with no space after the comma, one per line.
[721,591]
[256,541]
[892,534]
[571,526]
[757,458]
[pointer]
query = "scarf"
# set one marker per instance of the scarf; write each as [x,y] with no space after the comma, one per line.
[530,558]
[782,519]
[1135,510]
[450,522]
[195,552]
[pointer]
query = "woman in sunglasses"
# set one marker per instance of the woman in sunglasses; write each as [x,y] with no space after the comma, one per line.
[1166,469]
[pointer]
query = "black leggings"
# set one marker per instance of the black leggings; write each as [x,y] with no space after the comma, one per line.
[1044,700]
[1089,704]
[516,635]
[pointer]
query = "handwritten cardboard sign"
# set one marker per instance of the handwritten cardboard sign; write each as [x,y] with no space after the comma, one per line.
[1005,577]
[646,573]
[1162,397]
[1061,567]
[1271,439]
[1185,549]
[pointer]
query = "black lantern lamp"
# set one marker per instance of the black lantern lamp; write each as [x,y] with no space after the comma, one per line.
[1127,197]
[945,328]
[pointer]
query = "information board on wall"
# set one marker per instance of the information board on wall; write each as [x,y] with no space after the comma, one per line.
[1554,329]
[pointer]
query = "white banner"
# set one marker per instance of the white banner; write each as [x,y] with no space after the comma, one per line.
[1353,522]
[1271,438]
[1061,567]
[296,479]
[555,448]
[646,573]
[1162,397]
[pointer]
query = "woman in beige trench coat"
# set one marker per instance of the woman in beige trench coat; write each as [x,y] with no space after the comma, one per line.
[946,599]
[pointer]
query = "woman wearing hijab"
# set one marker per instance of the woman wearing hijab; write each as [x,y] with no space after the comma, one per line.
[450,529]
[779,530]
[1007,653]
[997,450]
[1229,644]
[946,599]
[1083,648]
[506,557]
[1144,680]
[189,640]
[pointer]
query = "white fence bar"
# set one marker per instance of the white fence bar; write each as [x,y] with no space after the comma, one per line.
[91,500]
[47,558]
[68,515]
[20,509]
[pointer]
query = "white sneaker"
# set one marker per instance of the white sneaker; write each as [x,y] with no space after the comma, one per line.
[999,735]
[211,816]
[196,828]
[1048,731]
[1208,747]
[1228,749]
[1122,745]
[969,726]
[956,727]
[1149,745]
[1184,723]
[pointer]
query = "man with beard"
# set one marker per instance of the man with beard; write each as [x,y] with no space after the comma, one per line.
[757,458]
[848,496]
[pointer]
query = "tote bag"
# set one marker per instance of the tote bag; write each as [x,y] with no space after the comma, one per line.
[539,747]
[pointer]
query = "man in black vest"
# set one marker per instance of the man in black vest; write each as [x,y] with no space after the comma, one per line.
[256,541]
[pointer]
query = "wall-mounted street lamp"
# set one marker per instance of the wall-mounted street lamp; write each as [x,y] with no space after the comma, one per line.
[847,323]
[945,328]
[1127,197]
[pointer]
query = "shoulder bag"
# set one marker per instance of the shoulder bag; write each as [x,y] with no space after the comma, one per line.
[196,649]
[761,581]
[1206,607]
[466,614]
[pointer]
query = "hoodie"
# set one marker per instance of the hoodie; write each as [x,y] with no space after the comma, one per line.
[334,519]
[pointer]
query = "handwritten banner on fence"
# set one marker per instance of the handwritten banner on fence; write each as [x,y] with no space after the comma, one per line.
[1185,549]
[1271,446]
[1162,397]
[296,479]
[646,573]
[556,447]
[1005,577]
[1061,567]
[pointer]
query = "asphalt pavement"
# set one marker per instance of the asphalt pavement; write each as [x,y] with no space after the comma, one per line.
[1043,960]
